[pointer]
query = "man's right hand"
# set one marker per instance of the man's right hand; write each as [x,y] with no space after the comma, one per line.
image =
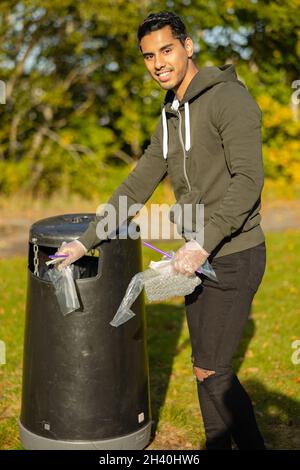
[74,250]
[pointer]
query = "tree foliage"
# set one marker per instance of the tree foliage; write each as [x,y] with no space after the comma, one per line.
[81,105]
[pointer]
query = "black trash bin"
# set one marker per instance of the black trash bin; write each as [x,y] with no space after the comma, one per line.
[85,382]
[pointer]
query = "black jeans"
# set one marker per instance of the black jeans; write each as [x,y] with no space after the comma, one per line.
[217,314]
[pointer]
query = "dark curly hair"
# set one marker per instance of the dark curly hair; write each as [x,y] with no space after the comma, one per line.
[156,21]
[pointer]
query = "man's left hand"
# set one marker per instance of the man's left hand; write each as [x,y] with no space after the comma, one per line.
[189,258]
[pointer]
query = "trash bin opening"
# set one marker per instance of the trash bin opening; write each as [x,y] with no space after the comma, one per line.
[85,267]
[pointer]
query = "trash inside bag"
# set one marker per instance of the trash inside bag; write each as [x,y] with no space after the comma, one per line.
[65,289]
[160,281]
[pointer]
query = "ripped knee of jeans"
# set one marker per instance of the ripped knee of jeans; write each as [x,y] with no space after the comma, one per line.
[202,374]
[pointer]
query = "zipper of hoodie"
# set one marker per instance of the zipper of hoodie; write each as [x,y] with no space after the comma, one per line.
[184,154]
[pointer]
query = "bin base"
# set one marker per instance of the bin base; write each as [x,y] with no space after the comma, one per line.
[134,441]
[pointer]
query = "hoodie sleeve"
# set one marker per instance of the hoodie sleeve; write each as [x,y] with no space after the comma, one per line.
[237,117]
[137,187]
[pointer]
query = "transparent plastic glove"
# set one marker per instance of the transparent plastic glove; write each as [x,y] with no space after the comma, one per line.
[189,258]
[74,250]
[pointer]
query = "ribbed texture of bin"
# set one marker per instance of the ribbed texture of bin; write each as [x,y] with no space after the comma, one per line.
[85,382]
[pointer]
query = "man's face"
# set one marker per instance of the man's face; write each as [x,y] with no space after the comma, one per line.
[166,58]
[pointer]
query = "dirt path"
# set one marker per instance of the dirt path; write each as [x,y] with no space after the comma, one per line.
[276,216]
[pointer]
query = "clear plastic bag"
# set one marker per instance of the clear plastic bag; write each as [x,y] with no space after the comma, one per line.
[160,282]
[205,269]
[208,271]
[65,289]
[124,312]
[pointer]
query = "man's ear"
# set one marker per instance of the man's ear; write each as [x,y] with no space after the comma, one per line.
[189,47]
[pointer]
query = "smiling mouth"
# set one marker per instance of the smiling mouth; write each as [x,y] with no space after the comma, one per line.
[164,75]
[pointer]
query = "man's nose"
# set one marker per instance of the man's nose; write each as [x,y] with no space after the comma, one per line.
[159,63]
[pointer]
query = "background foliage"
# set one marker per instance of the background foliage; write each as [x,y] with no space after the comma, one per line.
[81,106]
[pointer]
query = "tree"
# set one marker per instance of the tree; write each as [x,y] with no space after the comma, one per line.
[80,101]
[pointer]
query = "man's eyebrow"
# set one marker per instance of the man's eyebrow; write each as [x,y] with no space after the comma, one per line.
[161,49]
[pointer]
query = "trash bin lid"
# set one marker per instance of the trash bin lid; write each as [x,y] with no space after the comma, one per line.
[52,231]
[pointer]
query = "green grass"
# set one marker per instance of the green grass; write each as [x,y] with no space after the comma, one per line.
[263,360]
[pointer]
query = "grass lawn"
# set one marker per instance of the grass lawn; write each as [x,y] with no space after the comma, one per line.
[263,360]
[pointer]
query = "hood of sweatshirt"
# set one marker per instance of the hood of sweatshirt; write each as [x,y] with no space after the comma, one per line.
[205,78]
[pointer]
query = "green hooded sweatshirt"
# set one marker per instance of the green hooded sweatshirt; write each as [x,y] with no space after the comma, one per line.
[209,144]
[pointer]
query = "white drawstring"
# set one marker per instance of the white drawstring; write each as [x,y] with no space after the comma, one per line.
[165,134]
[175,105]
[187,126]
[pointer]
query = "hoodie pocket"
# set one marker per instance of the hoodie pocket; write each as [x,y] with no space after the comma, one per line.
[252,222]
[188,213]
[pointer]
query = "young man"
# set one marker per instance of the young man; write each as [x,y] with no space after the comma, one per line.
[208,140]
